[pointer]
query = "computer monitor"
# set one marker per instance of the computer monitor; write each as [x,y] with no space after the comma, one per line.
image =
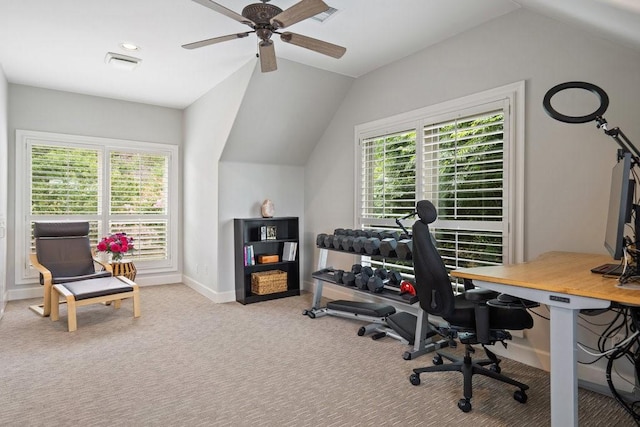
[620,206]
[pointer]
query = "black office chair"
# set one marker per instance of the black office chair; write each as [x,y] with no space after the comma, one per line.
[470,319]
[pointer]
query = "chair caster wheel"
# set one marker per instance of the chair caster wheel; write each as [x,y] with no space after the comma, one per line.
[406,355]
[361,331]
[437,360]
[305,312]
[464,405]
[311,314]
[520,396]
[378,336]
[414,379]
[495,368]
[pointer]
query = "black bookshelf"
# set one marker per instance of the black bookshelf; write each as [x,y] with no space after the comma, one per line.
[249,232]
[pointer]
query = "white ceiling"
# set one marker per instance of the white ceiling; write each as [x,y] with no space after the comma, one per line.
[62,44]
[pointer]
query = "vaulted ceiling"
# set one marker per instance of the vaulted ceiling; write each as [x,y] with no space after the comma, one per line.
[62,45]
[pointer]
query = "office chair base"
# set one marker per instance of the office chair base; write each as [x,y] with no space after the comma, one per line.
[469,368]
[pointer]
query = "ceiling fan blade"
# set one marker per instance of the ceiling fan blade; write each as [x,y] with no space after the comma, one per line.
[267,56]
[319,46]
[215,40]
[227,12]
[298,12]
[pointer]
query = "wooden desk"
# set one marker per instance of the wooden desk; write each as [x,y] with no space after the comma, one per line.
[564,282]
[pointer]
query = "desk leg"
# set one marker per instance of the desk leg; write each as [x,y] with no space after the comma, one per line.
[564,379]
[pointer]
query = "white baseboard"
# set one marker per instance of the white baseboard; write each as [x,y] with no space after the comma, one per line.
[217,297]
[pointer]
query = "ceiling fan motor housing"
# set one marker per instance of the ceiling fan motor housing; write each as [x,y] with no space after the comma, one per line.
[261,14]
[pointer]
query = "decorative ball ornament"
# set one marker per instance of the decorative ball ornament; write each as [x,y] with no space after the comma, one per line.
[267,209]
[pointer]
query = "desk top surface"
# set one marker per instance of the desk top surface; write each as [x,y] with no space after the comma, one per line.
[560,272]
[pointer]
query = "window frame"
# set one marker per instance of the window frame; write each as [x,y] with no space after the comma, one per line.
[513,97]
[24,272]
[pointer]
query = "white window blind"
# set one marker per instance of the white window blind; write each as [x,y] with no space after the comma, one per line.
[388,166]
[460,156]
[115,185]
[139,201]
[463,175]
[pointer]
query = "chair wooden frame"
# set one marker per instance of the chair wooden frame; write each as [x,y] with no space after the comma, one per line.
[59,290]
[44,309]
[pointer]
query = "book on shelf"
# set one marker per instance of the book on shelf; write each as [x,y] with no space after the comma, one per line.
[249,256]
[289,251]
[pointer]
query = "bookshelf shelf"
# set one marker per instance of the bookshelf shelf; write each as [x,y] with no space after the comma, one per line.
[251,242]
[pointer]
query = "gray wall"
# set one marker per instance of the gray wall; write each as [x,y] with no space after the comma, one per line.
[567,167]
[246,140]
[207,123]
[242,189]
[47,110]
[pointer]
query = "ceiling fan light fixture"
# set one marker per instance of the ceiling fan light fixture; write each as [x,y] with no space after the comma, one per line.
[122,62]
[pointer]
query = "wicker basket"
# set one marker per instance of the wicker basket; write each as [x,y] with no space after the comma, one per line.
[268,282]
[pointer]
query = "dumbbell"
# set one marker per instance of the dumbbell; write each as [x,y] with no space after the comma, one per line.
[374,233]
[389,234]
[372,246]
[388,247]
[339,232]
[363,277]
[404,248]
[337,241]
[320,240]
[361,233]
[347,243]
[338,274]
[349,277]
[328,240]
[383,277]
[358,244]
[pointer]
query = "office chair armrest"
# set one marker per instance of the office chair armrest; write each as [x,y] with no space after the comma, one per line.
[47,277]
[480,295]
[479,298]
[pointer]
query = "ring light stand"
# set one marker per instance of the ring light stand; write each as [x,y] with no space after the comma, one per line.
[601,122]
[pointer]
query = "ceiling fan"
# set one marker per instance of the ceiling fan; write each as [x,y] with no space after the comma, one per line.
[265,20]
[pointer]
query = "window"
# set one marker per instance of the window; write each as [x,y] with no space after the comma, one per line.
[466,157]
[118,186]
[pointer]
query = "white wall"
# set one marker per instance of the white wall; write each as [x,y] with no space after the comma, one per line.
[207,123]
[4,164]
[242,189]
[567,167]
[32,108]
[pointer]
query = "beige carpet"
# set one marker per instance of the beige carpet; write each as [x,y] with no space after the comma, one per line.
[190,362]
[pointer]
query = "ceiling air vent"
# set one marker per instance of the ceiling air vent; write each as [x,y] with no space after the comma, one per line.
[122,62]
[323,16]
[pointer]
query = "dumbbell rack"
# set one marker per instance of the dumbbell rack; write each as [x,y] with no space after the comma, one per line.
[423,330]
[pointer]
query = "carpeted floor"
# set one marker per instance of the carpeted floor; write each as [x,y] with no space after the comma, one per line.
[190,362]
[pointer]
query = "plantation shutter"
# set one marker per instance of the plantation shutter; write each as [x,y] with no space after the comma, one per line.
[64,181]
[139,201]
[388,176]
[464,176]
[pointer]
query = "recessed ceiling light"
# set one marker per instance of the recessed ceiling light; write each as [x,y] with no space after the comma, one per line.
[129,46]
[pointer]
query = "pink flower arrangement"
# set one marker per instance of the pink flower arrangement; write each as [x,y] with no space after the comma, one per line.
[116,244]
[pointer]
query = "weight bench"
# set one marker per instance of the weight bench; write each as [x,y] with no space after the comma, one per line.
[376,314]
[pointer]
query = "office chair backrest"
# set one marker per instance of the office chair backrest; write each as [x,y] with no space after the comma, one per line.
[64,248]
[433,286]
